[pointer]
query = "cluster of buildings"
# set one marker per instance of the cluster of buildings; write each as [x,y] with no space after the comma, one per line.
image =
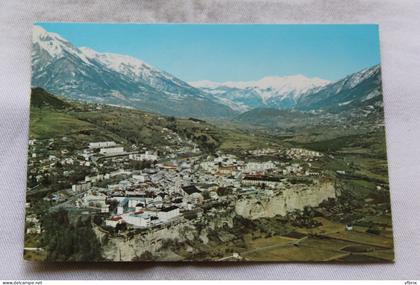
[264,152]
[303,154]
[178,181]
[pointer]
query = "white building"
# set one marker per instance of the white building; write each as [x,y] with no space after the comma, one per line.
[139,219]
[133,201]
[112,150]
[168,213]
[139,178]
[95,199]
[148,156]
[94,145]
[81,187]
[259,166]
[95,178]
[116,173]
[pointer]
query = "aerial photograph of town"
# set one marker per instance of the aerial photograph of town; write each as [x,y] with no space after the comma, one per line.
[167,142]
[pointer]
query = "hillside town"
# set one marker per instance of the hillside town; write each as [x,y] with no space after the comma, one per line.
[146,188]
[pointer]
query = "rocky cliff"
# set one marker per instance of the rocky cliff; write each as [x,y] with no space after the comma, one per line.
[295,197]
[157,243]
[134,247]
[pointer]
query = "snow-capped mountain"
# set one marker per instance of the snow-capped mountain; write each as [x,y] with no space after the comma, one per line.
[359,89]
[272,91]
[82,73]
[137,70]
[355,90]
[355,100]
[283,85]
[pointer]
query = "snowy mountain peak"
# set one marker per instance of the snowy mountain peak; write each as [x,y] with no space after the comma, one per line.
[284,84]
[49,42]
[116,62]
[293,83]
[275,91]
[205,84]
[356,78]
[82,73]
[54,45]
[40,34]
[132,67]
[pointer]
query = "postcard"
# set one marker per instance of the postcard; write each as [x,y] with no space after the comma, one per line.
[190,142]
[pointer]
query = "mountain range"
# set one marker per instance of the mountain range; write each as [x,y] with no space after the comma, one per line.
[272,91]
[81,73]
[85,74]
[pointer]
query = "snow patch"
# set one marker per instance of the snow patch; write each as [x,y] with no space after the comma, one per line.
[372,94]
[345,103]
[271,86]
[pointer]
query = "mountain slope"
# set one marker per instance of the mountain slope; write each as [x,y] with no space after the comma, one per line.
[42,99]
[357,90]
[82,123]
[62,68]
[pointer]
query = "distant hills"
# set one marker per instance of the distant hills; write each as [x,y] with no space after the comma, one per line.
[55,117]
[84,74]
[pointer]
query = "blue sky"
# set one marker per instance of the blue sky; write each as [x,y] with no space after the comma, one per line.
[234,52]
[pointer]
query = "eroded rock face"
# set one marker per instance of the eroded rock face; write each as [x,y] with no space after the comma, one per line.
[119,248]
[295,197]
[122,248]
